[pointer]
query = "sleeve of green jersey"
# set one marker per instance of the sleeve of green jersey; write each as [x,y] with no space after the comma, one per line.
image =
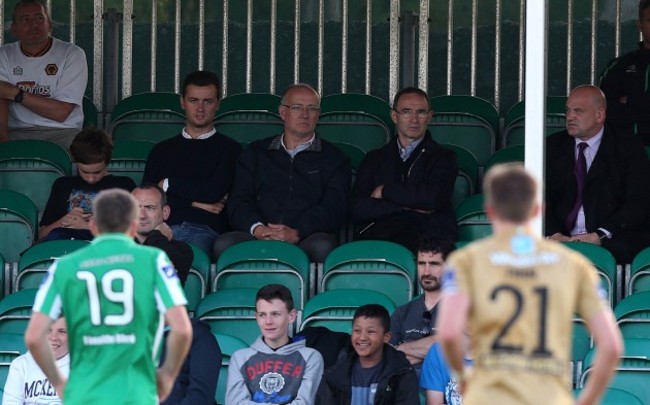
[48,300]
[169,292]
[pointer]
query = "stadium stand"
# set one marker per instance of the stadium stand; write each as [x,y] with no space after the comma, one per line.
[252,264]
[35,261]
[30,167]
[361,265]
[18,224]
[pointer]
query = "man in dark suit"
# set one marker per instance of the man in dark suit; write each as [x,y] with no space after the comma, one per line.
[613,209]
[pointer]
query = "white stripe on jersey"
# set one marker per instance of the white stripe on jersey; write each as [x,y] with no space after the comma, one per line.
[55,310]
[163,266]
[157,340]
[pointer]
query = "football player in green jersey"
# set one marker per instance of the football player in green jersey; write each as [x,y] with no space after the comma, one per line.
[116,296]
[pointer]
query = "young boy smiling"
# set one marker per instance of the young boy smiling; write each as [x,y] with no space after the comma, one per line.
[374,372]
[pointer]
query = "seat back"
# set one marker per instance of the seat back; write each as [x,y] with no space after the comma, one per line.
[467,178]
[252,264]
[514,131]
[198,279]
[358,102]
[90,112]
[33,264]
[12,345]
[373,265]
[605,264]
[509,154]
[228,345]
[334,309]
[230,312]
[246,126]
[355,153]
[162,101]
[147,125]
[581,343]
[615,396]
[18,224]
[466,121]
[129,158]
[639,279]
[633,315]
[250,101]
[15,311]
[30,167]
[363,130]
[472,220]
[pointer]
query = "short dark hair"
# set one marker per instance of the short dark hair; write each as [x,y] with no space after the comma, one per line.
[510,191]
[153,186]
[374,311]
[21,3]
[92,145]
[275,291]
[431,244]
[643,4]
[202,78]
[297,86]
[410,90]
[114,210]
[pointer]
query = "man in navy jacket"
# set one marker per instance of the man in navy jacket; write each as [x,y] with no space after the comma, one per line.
[403,190]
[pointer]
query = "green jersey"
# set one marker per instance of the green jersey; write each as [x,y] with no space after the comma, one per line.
[113,294]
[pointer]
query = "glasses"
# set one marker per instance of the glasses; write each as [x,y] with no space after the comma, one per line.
[408,113]
[298,108]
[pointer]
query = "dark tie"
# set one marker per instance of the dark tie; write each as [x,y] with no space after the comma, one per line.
[580,171]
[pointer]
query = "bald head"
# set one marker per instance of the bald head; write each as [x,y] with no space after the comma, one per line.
[585,112]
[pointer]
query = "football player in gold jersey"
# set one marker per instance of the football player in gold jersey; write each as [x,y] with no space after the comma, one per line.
[518,294]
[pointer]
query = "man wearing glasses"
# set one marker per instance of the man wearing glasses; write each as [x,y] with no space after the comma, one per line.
[403,190]
[292,187]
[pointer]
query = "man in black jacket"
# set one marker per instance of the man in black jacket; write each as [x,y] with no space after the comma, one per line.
[613,207]
[154,231]
[293,187]
[403,190]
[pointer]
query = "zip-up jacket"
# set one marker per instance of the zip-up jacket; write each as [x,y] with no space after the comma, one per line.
[397,385]
[416,194]
[308,192]
[628,77]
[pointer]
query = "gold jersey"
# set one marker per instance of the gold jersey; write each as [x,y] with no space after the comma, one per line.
[524,293]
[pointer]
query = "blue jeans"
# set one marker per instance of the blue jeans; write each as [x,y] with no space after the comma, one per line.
[197,234]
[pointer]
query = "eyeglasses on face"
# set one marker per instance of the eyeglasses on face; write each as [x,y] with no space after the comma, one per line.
[298,108]
[408,113]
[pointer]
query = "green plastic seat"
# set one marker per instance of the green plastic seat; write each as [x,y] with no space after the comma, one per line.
[355,153]
[5,276]
[632,372]
[250,101]
[129,158]
[33,264]
[363,130]
[252,264]
[633,315]
[249,126]
[509,154]
[605,264]
[163,101]
[472,220]
[198,279]
[467,178]
[228,345]
[12,345]
[615,396]
[334,309]
[372,265]
[230,312]
[581,343]
[18,224]
[514,132]
[466,121]
[146,125]
[358,102]
[639,278]
[15,311]
[30,167]
[90,113]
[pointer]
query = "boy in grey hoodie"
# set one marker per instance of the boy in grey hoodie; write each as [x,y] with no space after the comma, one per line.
[276,369]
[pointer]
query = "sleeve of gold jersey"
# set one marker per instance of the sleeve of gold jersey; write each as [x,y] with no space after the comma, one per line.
[456,277]
[591,297]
